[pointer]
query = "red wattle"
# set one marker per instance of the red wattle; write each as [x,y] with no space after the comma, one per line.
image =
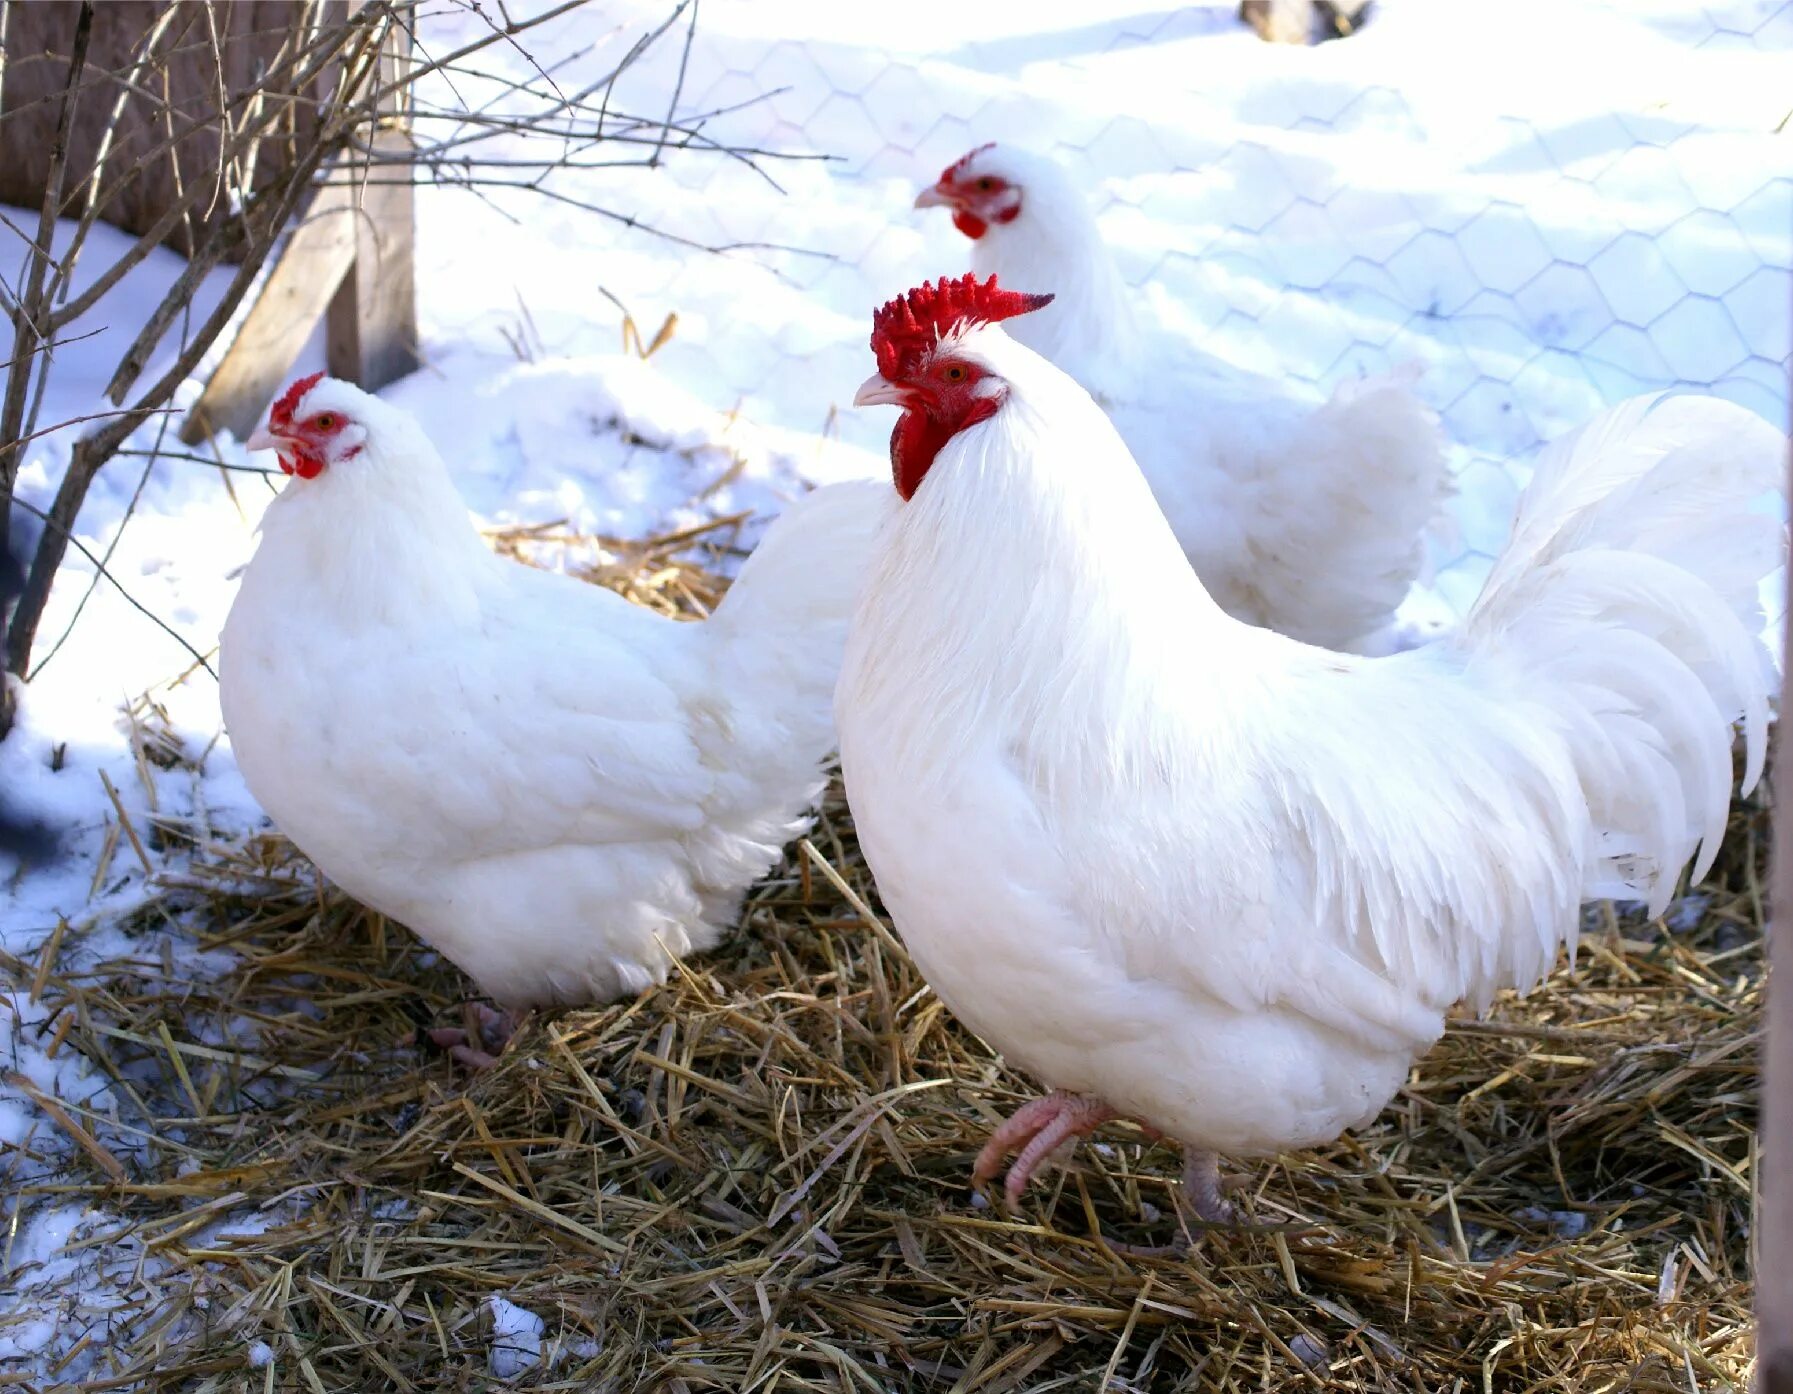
[305,466]
[918,438]
[970,224]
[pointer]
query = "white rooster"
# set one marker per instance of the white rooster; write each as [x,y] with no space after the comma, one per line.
[559,790]
[1201,875]
[1302,515]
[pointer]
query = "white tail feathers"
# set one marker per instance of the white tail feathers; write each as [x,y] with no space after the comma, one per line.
[782,626]
[806,570]
[1627,602]
[1373,481]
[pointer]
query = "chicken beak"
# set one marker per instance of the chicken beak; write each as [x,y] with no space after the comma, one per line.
[933,197]
[878,391]
[263,439]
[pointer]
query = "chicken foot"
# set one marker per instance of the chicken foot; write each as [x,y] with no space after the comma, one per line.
[1033,1132]
[478,1043]
[1036,1130]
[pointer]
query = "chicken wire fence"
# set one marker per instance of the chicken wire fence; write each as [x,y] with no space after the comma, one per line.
[1553,206]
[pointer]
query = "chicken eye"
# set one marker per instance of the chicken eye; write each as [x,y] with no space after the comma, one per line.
[955,372]
[986,184]
[325,421]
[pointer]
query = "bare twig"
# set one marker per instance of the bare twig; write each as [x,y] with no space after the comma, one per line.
[318,100]
[29,321]
[51,524]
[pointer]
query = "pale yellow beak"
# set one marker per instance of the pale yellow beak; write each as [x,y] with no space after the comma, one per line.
[933,197]
[876,391]
[263,439]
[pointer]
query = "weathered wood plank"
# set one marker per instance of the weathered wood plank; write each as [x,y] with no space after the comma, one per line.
[1774,1185]
[297,292]
[372,335]
[185,73]
[352,260]
[1280,21]
[1304,21]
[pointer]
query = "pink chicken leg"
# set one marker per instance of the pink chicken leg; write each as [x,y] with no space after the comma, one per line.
[1034,1131]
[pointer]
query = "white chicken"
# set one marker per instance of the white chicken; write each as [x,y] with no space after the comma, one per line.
[1204,876]
[1306,516]
[559,790]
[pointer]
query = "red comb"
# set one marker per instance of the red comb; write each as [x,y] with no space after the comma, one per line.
[957,167]
[909,326]
[281,414]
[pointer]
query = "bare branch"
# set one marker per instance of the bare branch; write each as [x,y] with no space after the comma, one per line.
[70,540]
[678,86]
[320,99]
[29,319]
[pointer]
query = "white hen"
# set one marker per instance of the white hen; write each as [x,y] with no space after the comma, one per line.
[1302,515]
[1201,875]
[559,790]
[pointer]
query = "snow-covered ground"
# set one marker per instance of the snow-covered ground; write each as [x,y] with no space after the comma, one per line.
[1555,203]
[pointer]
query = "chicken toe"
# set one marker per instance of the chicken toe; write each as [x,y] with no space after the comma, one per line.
[1033,1132]
[479,1042]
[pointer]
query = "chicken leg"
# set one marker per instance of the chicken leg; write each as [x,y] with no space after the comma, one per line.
[1203,1193]
[1036,1130]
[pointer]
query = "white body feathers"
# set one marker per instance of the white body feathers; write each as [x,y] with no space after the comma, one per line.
[1230,883]
[557,789]
[1303,516]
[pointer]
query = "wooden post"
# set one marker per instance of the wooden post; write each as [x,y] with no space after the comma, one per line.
[1280,21]
[371,338]
[296,294]
[349,261]
[1774,1187]
[1303,21]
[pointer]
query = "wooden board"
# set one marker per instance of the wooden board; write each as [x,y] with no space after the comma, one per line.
[372,335]
[1774,1184]
[35,53]
[352,260]
[298,290]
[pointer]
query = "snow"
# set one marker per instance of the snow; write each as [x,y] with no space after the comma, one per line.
[516,1338]
[1576,203]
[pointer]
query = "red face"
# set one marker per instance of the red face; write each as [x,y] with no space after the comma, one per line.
[942,397]
[977,200]
[306,445]
[309,445]
[923,369]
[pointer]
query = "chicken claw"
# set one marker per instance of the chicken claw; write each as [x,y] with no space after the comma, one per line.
[1033,1132]
[477,1046]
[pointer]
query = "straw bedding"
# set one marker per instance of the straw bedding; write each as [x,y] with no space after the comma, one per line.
[755,1178]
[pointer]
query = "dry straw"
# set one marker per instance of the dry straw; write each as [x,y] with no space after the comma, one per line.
[754,1178]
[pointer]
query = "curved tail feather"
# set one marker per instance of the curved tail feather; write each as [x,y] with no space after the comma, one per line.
[1627,602]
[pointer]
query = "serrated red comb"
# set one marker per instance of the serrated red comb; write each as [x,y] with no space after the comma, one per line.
[911,325]
[281,413]
[958,166]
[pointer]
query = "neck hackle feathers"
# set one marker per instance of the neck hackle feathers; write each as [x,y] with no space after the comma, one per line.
[281,414]
[909,327]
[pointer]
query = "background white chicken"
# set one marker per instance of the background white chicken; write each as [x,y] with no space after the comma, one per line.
[1301,515]
[1201,875]
[559,790]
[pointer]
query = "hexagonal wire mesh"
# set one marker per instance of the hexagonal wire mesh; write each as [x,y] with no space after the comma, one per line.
[1554,205]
